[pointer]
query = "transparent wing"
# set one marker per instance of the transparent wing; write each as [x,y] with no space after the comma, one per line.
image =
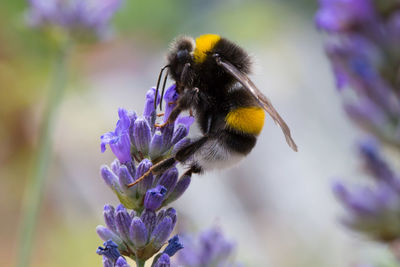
[262,99]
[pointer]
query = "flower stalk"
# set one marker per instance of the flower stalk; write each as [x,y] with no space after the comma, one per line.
[36,182]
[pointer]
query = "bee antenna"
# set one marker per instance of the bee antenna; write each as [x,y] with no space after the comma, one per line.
[158,85]
[163,88]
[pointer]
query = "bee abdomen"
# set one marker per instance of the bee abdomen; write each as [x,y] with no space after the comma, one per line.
[237,142]
[247,120]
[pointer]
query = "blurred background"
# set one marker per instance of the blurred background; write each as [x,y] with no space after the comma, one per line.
[276,205]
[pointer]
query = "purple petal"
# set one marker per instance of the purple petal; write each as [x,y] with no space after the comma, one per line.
[122,148]
[107,138]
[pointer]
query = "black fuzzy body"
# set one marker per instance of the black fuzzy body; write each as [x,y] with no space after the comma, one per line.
[212,93]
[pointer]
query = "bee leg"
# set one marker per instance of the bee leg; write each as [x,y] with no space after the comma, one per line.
[182,155]
[184,102]
[159,168]
[186,152]
[172,117]
[193,169]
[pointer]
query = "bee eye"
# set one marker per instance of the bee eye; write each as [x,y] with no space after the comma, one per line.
[183,56]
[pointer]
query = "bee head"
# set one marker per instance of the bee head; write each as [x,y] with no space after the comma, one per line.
[181,53]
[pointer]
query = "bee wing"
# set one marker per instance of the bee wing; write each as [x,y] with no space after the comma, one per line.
[260,97]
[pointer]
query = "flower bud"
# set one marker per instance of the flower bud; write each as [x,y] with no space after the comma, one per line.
[109,217]
[109,177]
[142,135]
[123,222]
[156,145]
[168,179]
[147,182]
[179,189]
[161,232]
[138,232]
[154,197]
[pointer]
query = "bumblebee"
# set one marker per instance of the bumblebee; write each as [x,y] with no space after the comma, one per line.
[211,79]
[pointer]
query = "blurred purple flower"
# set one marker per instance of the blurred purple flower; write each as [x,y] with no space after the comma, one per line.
[373,209]
[363,46]
[339,15]
[211,248]
[77,17]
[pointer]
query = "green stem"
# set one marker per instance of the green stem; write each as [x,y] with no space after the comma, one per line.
[36,182]
[139,263]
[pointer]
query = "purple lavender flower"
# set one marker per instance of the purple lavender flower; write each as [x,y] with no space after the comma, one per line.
[136,236]
[211,248]
[79,18]
[363,46]
[138,144]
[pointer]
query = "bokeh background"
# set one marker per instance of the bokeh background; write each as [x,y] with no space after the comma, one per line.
[276,205]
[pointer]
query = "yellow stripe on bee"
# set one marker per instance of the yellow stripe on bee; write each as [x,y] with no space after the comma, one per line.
[204,44]
[248,120]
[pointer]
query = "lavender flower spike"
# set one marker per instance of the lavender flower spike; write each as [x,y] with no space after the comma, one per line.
[138,145]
